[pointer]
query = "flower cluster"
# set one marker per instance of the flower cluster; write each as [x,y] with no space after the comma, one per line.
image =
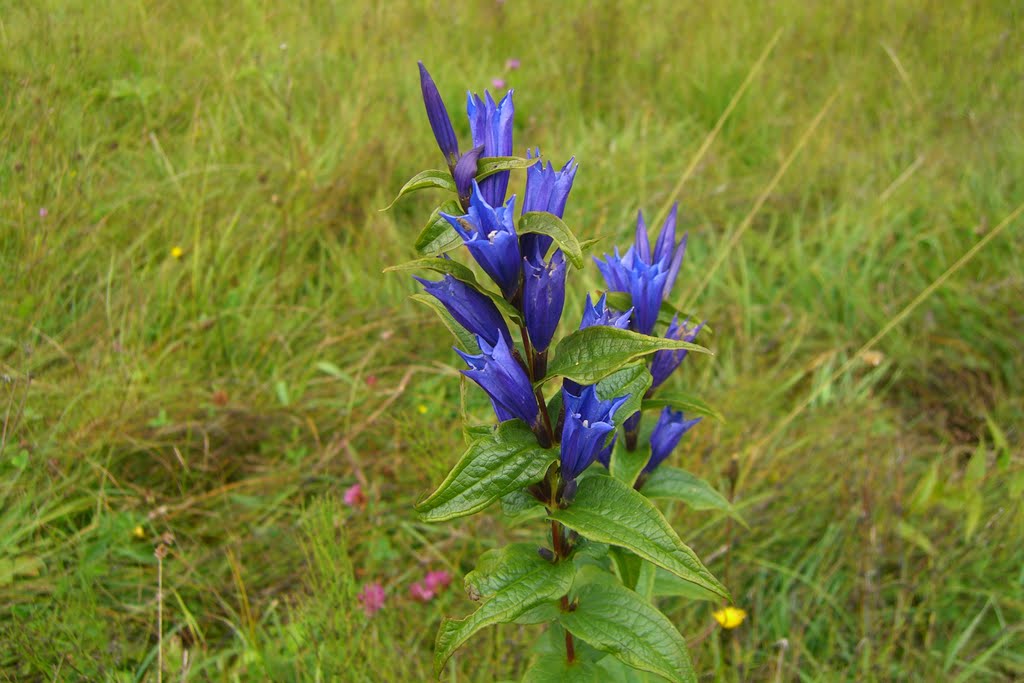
[528,277]
[647,276]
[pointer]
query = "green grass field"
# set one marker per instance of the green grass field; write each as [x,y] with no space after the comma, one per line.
[221,401]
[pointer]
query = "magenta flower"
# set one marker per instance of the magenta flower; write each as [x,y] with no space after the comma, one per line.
[354,496]
[43,213]
[437,580]
[372,598]
[512,64]
[498,83]
[420,592]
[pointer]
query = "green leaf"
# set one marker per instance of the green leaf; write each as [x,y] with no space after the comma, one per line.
[466,341]
[488,166]
[633,380]
[463,274]
[519,503]
[668,584]
[425,180]
[609,511]
[544,223]
[508,460]
[554,668]
[438,235]
[677,484]
[614,619]
[510,581]
[627,564]
[685,402]
[588,356]
[626,466]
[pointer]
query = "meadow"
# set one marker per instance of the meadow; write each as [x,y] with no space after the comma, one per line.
[200,352]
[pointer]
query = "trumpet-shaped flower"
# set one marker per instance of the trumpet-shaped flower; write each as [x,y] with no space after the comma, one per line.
[666,362]
[600,314]
[546,190]
[440,123]
[501,375]
[491,125]
[588,423]
[666,436]
[490,234]
[647,277]
[471,309]
[543,297]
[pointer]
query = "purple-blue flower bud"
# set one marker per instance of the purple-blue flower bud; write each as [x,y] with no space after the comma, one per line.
[543,297]
[464,173]
[491,125]
[600,314]
[440,123]
[490,234]
[471,309]
[666,362]
[498,372]
[546,190]
[588,423]
[666,436]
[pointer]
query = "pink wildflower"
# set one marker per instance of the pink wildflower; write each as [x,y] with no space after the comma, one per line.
[372,598]
[512,64]
[420,592]
[43,213]
[437,580]
[498,83]
[354,496]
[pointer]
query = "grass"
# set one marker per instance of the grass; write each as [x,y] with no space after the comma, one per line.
[221,402]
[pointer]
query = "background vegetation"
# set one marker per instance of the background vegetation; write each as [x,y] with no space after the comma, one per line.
[223,400]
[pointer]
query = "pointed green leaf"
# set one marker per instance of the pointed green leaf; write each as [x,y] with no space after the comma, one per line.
[668,584]
[519,503]
[510,581]
[633,380]
[685,403]
[614,619]
[491,467]
[544,223]
[554,668]
[627,565]
[438,235]
[622,301]
[463,274]
[609,511]
[677,484]
[488,166]
[424,180]
[588,356]
[626,466]
[465,340]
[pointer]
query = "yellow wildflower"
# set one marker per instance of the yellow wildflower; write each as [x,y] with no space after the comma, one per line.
[422,408]
[730,617]
[139,532]
[177,252]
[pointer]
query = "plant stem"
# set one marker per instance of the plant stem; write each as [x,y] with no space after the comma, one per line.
[558,542]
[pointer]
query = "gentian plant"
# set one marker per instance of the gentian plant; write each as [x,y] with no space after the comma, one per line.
[553,451]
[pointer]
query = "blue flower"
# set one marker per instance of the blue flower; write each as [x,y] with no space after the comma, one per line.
[491,125]
[588,423]
[666,435]
[546,190]
[600,314]
[543,297]
[490,235]
[501,375]
[471,309]
[646,277]
[666,362]
[440,123]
